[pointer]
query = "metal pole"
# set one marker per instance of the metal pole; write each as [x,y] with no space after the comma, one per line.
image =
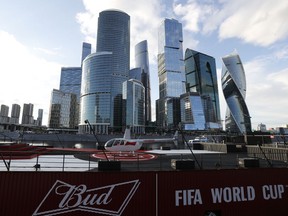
[97,143]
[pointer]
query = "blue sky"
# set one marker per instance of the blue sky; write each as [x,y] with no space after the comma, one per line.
[37,38]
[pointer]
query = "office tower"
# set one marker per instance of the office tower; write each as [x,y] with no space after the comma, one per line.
[173,112]
[15,114]
[134,105]
[135,73]
[142,61]
[96,93]
[201,77]
[70,80]
[114,36]
[233,80]
[27,114]
[86,50]
[192,112]
[170,66]
[40,117]
[4,114]
[62,110]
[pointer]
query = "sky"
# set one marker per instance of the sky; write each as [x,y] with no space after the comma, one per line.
[37,38]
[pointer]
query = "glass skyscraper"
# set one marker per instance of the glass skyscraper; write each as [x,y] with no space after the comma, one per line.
[95,96]
[70,80]
[62,110]
[114,36]
[201,77]
[233,80]
[192,113]
[133,105]
[142,61]
[86,50]
[170,67]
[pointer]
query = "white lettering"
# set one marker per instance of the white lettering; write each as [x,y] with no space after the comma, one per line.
[273,191]
[74,196]
[188,197]
[234,194]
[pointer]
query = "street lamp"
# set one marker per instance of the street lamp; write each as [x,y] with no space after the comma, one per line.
[97,143]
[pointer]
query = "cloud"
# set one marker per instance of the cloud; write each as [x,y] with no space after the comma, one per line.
[25,78]
[145,17]
[259,22]
[266,90]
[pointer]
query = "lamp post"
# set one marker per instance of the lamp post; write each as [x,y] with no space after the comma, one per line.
[97,142]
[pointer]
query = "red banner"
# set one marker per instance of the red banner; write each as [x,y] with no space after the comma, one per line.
[198,192]
[224,192]
[44,193]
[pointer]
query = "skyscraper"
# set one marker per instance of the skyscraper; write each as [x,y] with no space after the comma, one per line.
[62,110]
[27,114]
[4,114]
[86,50]
[114,36]
[142,61]
[15,114]
[192,112]
[40,117]
[70,80]
[233,80]
[96,93]
[201,77]
[170,67]
[133,105]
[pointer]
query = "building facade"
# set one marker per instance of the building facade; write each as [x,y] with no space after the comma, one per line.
[15,114]
[134,105]
[142,61]
[170,67]
[192,112]
[86,50]
[96,93]
[113,35]
[4,114]
[201,77]
[62,110]
[27,114]
[237,119]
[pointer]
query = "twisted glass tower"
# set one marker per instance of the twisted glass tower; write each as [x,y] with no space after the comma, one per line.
[233,80]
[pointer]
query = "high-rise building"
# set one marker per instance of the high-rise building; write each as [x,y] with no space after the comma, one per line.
[113,35]
[4,114]
[15,114]
[134,105]
[96,93]
[192,112]
[135,73]
[201,77]
[62,110]
[27,114]
[70,80]
[86,50]
[233,80]
[170,67]
[142,61]
[40,117]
